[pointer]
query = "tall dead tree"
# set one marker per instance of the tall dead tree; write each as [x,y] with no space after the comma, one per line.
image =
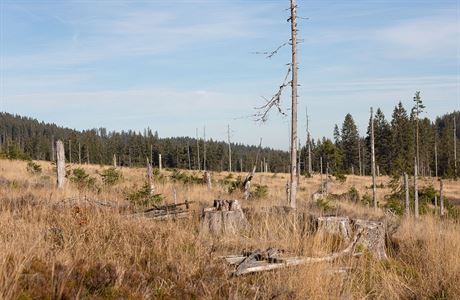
[79,153]
[60,164]
[359,157]
[293,181]
[276,99]
[416,210]
[204,149]
[435,155]
[53,149]
[374,187]
[406,190]
[310,171]
[441,197]
[114,162]
[455,148]
[198,150]
[160,164]
[70,151]
[188,156]
[229,150]
[321,174]
[150,177]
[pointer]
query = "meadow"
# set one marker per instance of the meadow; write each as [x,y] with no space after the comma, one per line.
[53,246]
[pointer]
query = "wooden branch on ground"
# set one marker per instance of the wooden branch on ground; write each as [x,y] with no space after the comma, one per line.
[258,262]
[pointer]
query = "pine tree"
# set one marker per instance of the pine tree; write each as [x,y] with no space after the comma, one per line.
[349,143]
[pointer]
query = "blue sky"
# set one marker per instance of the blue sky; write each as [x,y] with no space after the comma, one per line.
[175,65]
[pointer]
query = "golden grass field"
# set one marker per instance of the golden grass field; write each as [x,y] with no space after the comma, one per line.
[51,251]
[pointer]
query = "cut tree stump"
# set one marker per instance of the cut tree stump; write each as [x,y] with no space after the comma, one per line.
[335,225]
[372,237]
[225,218]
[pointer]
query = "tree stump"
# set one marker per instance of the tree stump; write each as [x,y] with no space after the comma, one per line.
[372,237]
[225,218]
[335,225]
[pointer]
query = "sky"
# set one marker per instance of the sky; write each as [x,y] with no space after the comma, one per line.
[178,65]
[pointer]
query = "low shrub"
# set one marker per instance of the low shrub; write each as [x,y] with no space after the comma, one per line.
[143,197]
[111,176]
[82,179]
[33,168]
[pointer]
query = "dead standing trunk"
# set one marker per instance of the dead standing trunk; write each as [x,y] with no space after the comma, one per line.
[441,197]
[374,187]
[60,164]
[150,177]
[406,189]
[416,211]
[293,177]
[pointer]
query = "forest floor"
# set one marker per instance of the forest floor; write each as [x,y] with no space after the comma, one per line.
[52,250]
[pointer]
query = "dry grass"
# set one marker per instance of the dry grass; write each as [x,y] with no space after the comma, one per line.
[57,252]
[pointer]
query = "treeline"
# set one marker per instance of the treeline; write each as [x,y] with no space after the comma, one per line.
[347,152]
[23,136]
[395,145]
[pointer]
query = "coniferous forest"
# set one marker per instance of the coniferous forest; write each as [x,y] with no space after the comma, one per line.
[348,152]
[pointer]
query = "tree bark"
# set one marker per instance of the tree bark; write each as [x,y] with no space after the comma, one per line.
[406,189]
[374,187]
[293,179]
[441,197]
[416,210]
[60,164]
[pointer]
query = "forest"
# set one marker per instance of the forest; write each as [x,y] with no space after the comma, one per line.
[347,152]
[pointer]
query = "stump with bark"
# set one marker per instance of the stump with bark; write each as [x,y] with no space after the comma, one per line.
[225,218]
[335,225]
[372,237]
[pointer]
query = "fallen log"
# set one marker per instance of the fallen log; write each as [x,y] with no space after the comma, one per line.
[257,262]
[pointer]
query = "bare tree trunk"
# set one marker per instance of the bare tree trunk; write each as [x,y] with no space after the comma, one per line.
[406,189]
[79,153]
[87,155]
[374,187]
[60,164]
[441,197]
[53,150]
[435,157]
[229,150]
[293,181]
[150,177]
[321,174]
[327,179]
[298,165]
[114,160]
[455,148]
[198,150]
[359,158]
[416,210]
[70,151]
[188,156]
[204,149]
[160,164]
[310,170]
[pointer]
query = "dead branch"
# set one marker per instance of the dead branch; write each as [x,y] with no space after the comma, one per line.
[275,101]
[270,54]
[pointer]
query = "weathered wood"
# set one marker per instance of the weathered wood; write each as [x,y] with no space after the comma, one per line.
[372,237]
[207,179]
[150,177]
[340,226]
[406,189]
[441,197]
[253,265]
[293,175]
[374,187]
[416,210]
[160,165]
[60,164]
[225,217]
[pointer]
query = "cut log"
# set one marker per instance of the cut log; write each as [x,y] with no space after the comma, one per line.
[335,225]
[225,218]
[372,237]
